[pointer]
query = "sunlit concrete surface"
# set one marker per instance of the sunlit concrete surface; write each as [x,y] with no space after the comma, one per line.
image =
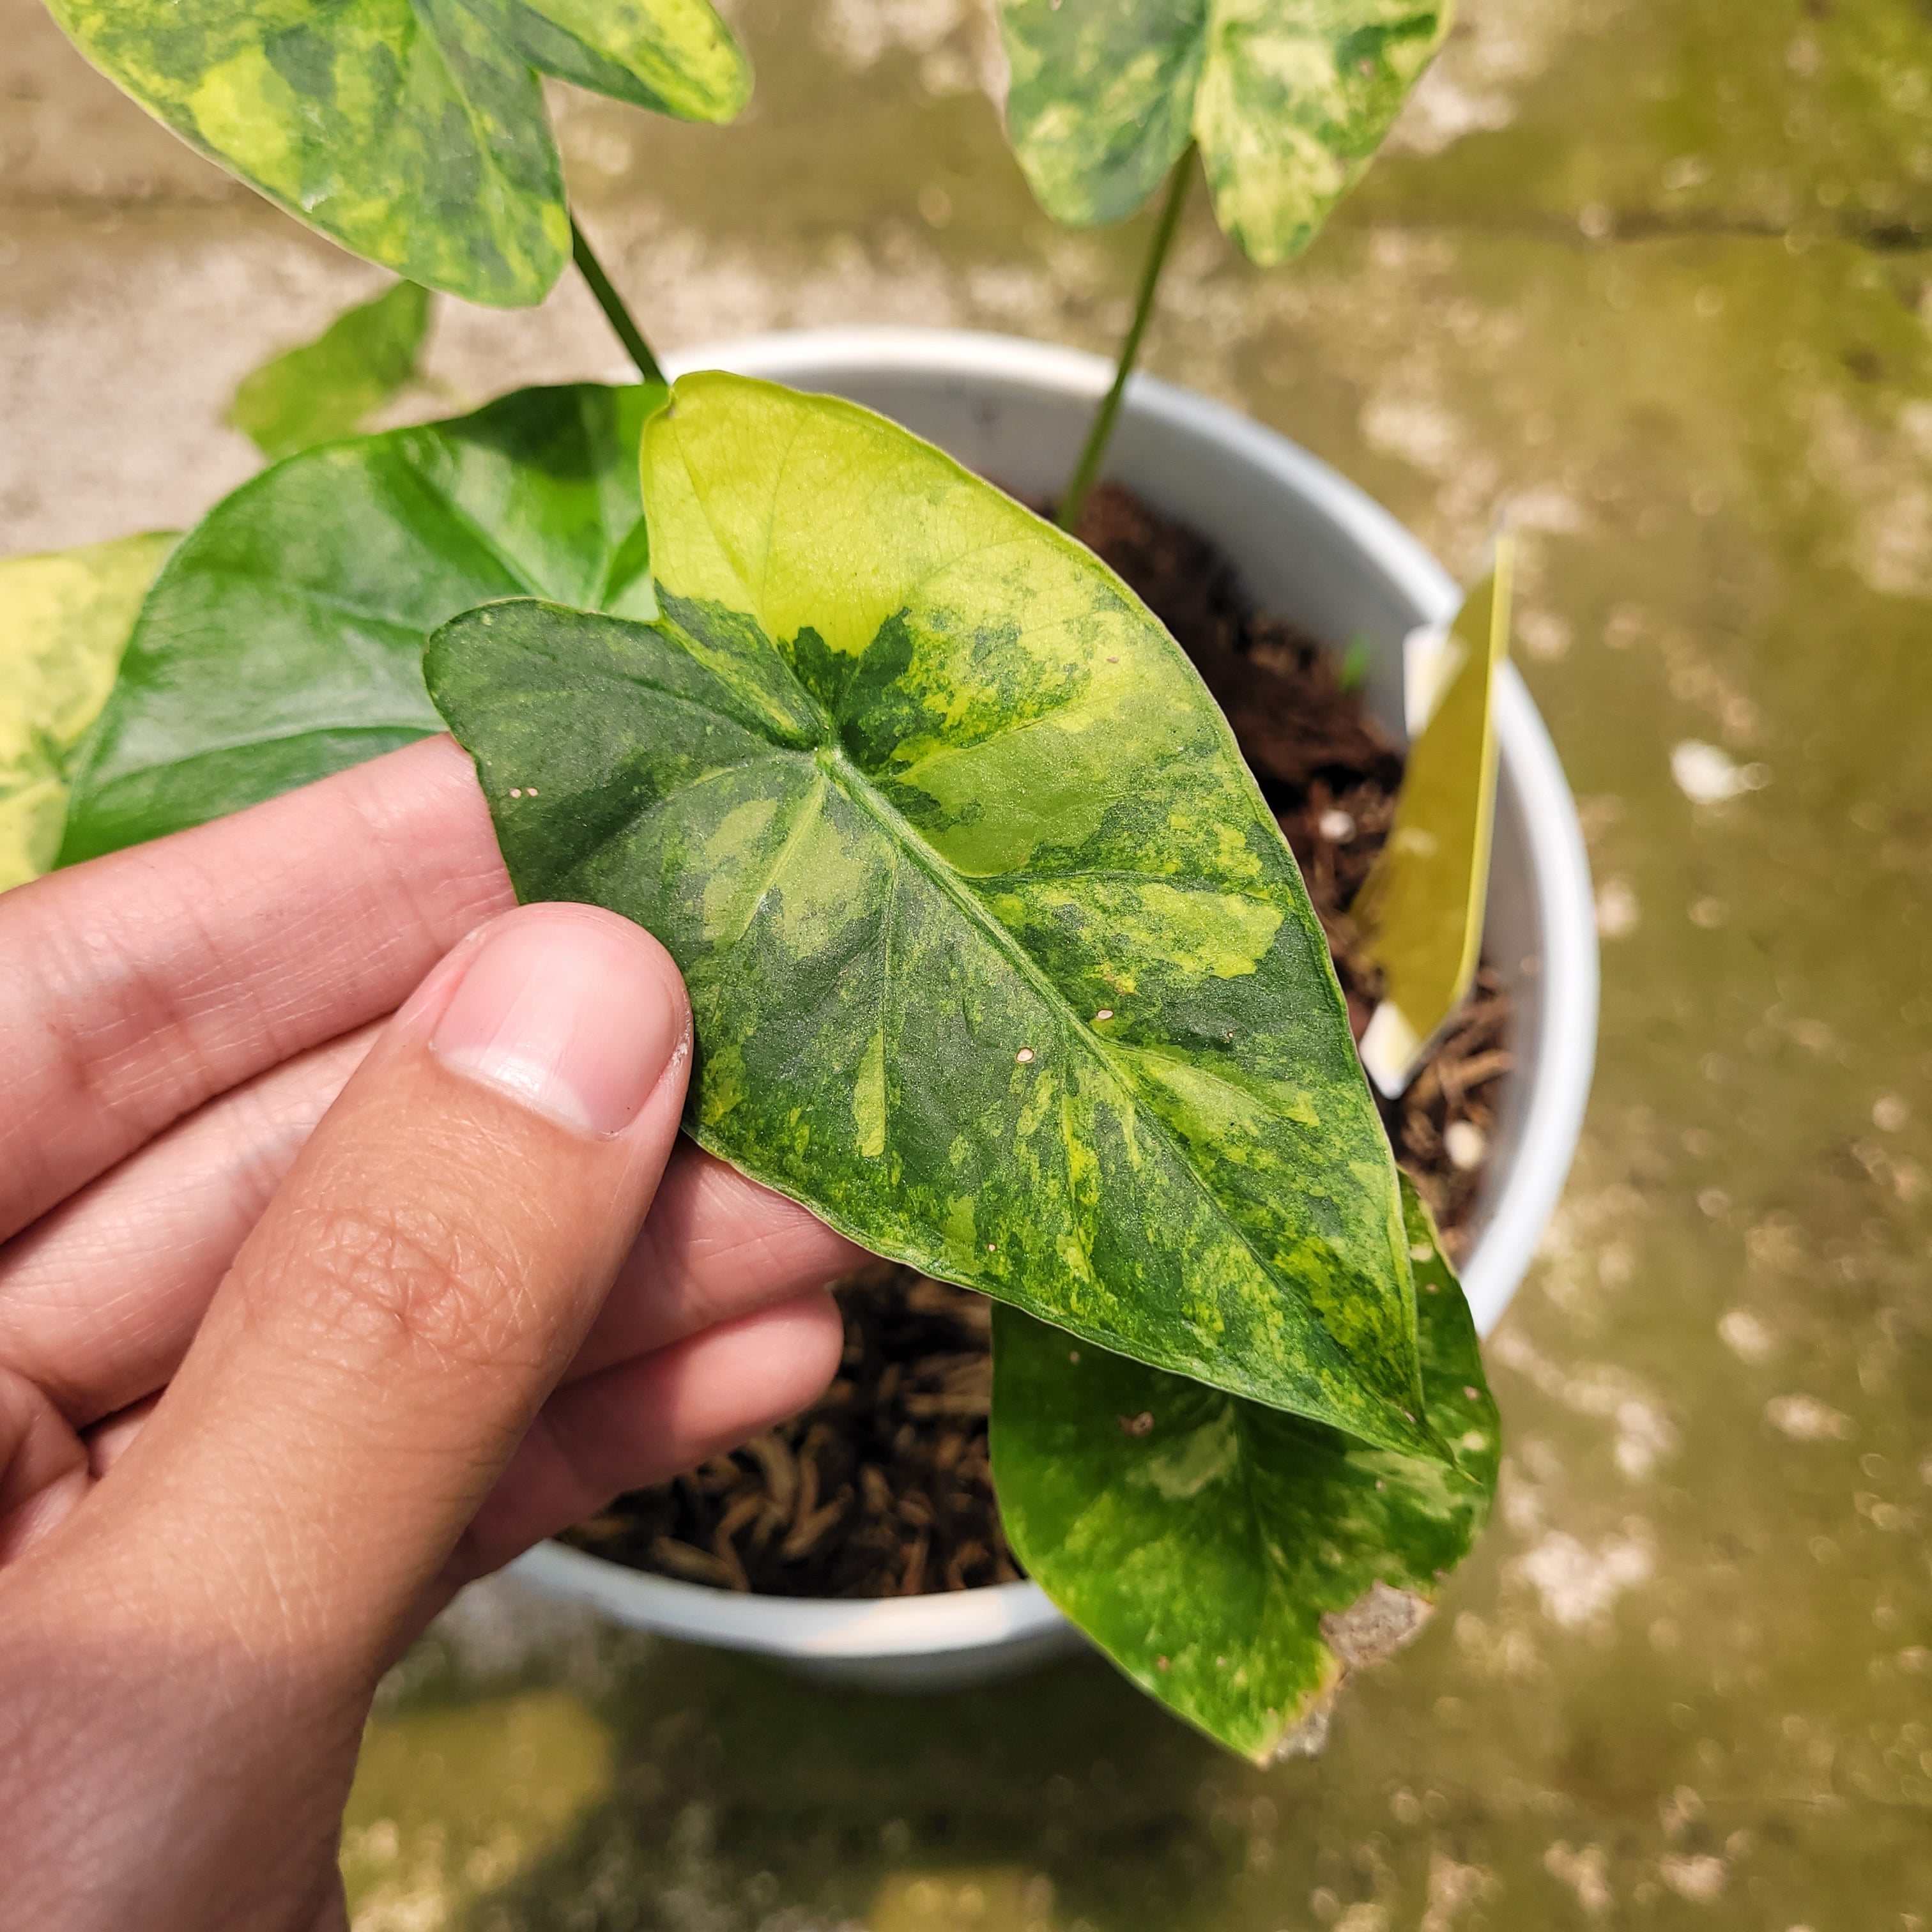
[1655,271]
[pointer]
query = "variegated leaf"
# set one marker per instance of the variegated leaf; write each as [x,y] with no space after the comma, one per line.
[1289,99]
[413,131]
[998,960]
[284,640]
[1235,1562]
[64,618]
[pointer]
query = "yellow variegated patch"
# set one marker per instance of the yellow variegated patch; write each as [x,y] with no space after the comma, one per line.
[64,619]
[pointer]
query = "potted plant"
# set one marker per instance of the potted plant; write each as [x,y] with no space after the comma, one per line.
[998,958]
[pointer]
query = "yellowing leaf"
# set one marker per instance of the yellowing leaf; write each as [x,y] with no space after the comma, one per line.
[64,619]
[1422,907]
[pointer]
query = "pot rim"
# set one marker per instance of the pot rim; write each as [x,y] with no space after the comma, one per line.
[998,1615]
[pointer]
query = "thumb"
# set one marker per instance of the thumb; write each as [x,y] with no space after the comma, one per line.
[416,1287]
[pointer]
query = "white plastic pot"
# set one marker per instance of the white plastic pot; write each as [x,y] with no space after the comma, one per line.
[1310,548]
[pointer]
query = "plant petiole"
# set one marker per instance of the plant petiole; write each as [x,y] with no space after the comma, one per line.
[1087,471]
[619,317]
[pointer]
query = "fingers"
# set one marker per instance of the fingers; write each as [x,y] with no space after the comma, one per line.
[716,1247]
[410,1298]
[100,1299]
[644,1420]
[44,1464]
[137,986]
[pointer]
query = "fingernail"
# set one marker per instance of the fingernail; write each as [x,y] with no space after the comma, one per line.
[570,1015]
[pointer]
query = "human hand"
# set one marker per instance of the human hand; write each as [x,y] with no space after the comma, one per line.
[307,1317]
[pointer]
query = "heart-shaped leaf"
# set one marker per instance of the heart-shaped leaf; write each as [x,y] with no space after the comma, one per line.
[284,640]
[1236,1562]
[413,131]
[1289,99]
[998,960]
[64,619]
[324,388]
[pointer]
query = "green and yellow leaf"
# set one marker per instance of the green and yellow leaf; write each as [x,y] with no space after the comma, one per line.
[324,389]
[1288,99]
[1237,1563]
[284,640]
[64,618]
[998,960]
[413,132]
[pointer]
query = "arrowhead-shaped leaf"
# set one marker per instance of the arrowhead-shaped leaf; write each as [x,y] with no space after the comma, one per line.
[1289,99]
[998,960]
[324,388]
[413,131]
[1235,1562]
[284,640]
[64,618]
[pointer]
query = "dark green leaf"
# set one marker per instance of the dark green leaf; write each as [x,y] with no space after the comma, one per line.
[1289,99]
[64,619]
[324,389]
[1236,1562]
[284,640]
[413,131]
[998,960]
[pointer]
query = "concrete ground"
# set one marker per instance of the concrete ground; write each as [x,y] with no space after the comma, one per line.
[1660,271]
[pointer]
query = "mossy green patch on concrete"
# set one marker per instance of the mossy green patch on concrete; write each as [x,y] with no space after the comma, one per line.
[452,1803]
